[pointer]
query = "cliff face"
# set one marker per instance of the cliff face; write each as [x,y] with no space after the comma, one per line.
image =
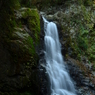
[19,38]
[77,26]
[75,21]
[20,41]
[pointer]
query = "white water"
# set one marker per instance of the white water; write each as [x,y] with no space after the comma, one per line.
[60,82]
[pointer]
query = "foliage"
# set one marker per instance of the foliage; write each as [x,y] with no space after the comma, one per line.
[7,17]
[27,42]
[91,49]
[85,2]
[33,22]
[31,46]
[21,49]
[80,42]
[85,35]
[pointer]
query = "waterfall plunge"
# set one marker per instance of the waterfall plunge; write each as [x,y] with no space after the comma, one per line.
[60,82]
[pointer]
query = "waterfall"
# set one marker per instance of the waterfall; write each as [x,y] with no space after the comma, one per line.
[60,82]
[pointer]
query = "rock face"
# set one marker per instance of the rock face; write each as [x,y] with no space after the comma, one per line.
[19,68]
[82,76]
[76,29]
[18,54]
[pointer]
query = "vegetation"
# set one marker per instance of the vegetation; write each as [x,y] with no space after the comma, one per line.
[79,33]
[20,43]
[7,18]
[85,2]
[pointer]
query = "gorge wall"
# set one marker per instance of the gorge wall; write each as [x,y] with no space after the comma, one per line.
[20,47]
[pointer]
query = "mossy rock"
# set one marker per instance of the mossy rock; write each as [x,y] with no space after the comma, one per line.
[33,21]
[24,40]
[19,57]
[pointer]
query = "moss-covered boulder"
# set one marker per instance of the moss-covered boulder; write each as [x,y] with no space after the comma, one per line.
[31,19]
[18,57]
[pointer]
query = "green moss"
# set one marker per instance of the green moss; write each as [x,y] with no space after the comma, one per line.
[82,43]
[26,46]
[7,21]
[32,51]
[29,12]
[19,45]
[33,22]
[31,47]
[91,51]
[85,2]
[88,2]
[26,43]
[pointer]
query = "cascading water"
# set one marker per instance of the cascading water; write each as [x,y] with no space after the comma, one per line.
[60,82]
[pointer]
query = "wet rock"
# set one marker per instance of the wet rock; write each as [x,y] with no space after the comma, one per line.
[83,84]
[18,57]
[50,17]
[72,20]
